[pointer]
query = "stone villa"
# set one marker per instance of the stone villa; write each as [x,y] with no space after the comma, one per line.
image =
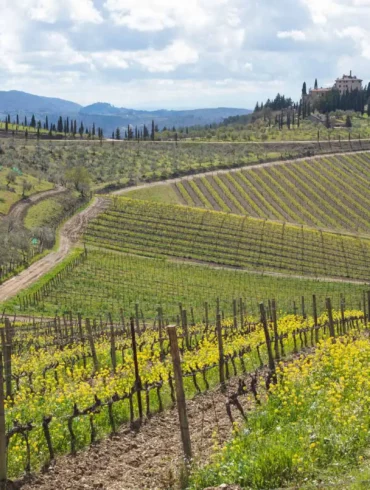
[347,82]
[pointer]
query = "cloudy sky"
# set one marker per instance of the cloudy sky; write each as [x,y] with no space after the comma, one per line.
[179,53]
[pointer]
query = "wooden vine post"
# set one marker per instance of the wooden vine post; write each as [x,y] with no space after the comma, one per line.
[330,316]
[3,449]
[241,308]
[6,344]
[276,333]
[221,360]
[315,319]
[235,312]
[184,321]
[136,365]
[303,308]
[342,314]
[180,393]
[160,330]
[206,315]
[267,337]
[112,344]
[92,345]
[368,305]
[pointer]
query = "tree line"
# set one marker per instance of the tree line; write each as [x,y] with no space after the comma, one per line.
[333,100]
[64,126]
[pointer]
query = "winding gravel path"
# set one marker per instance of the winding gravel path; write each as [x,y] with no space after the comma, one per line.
[20,208]
[69,235]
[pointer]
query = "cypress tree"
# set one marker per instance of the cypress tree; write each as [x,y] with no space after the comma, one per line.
[348,122]
[60,125]
[316,85]
[304,89]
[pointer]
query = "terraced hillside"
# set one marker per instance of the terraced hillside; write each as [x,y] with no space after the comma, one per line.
[327,192]
[155,229]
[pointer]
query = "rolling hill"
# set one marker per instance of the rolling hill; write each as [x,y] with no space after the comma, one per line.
[105,115]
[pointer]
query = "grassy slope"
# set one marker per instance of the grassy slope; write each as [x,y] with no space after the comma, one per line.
[8,198]
[43,213]
[312,430]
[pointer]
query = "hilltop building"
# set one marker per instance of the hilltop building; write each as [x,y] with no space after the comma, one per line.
[315,94]
[347,82]
[344,84]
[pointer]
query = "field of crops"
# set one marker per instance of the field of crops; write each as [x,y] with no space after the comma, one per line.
[70,381]
[115,283]
[155,229]
[329,192]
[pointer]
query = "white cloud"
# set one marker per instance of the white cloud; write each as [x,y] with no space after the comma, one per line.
[156,15]
[59,51]
[154,61]
[49,11]
[321,10]
[360,38]
[241,49]
[295,35]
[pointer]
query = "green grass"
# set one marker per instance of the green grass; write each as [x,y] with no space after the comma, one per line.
[109,281]
[44,213]
[161,193]
[9,196]
[314,424]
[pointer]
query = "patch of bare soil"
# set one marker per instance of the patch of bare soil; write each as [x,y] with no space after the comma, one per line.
[149,458]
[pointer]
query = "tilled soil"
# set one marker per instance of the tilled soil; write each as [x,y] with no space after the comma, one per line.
[149,458]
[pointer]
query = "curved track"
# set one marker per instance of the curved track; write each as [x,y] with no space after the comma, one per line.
[69,235]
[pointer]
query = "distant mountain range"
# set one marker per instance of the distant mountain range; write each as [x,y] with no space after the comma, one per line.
[106,115]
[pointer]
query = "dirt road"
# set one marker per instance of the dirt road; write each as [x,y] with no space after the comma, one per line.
[19,209]
[69,235]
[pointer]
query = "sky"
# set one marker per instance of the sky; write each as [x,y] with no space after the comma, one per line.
[153,54]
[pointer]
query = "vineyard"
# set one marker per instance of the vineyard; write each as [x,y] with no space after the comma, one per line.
[70,381]
[104,281]
[230,285]
[155,229]
[329,192]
